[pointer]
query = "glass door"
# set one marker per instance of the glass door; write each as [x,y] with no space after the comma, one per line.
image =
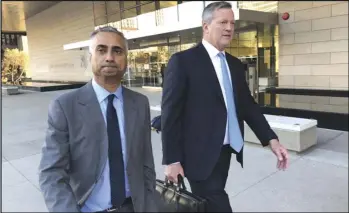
[266,56]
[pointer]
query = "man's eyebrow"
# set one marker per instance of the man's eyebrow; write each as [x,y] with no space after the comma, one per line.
[101,46]
[117,48]
[113,47]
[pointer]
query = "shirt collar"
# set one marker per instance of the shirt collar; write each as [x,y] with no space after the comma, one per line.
[102,93]
[212,51]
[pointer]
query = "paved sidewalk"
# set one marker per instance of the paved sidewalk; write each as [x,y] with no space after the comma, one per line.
[317,180]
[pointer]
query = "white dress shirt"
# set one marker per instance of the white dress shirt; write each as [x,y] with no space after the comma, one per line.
[213,53]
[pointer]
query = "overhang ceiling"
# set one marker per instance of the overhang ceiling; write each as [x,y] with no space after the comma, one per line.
[14,13]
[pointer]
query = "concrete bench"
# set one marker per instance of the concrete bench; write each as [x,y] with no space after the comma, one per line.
[296,134]
[156,108]
[9,90]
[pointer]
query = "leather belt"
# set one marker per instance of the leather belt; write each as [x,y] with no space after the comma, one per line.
[115,209]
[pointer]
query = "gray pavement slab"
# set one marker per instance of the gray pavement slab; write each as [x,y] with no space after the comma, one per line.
[28,167]
[337,144]
[12,151]
[259,163]
[23,197]
[11,176]
[307,186]
[328,157]
[25,134]
[317,180]
[327,135]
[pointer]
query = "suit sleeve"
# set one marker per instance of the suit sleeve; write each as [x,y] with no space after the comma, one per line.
[149,168]
[53,177]
[254,116]
[171,110]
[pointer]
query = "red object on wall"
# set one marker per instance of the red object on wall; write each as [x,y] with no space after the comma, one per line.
[285,16]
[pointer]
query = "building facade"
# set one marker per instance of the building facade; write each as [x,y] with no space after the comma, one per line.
[314,45]
[13,31]
[308,50]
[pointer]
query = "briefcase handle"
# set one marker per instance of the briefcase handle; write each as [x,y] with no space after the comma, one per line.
[180,184]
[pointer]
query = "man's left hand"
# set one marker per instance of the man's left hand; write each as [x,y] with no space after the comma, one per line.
[281,154]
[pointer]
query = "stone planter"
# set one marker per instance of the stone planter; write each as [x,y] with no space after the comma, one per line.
[9,90]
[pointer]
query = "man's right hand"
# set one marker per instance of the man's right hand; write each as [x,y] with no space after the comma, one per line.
[172,171]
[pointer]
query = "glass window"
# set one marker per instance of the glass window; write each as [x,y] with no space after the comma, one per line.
[129,4]
[264,6]
[99,12]
[100,21]
[165,4]
[112,7]
[115,17]
[129,13]
[147,7]
[3,41]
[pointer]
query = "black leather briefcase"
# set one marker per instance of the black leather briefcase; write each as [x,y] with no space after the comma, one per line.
[175,198]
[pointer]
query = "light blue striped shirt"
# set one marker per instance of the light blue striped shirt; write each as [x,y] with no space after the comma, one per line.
[100,197]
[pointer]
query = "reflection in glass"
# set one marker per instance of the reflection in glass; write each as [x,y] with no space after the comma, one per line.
[129,13]
[266,55]
[305,102]
[263,6]
[148,57]
[128,4]
[100,21]
[243,45]
[147,7]
[147,63]
[165,4]
[115,17]
[99,13]
[112,8]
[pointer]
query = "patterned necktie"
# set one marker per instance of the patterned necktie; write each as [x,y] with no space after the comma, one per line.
[116,163]
[234,133]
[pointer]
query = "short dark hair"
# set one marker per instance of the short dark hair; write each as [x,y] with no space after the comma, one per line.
[207,14]
[108,29]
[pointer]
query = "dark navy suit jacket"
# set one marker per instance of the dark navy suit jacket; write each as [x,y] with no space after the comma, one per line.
[193,112]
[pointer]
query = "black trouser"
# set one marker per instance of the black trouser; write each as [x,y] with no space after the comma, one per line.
[213,188]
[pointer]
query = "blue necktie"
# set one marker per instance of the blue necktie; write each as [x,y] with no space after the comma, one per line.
[234,134]
[116,163]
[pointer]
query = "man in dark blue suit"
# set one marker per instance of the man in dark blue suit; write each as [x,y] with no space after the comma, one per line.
[204,105]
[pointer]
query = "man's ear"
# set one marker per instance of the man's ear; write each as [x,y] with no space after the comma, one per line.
[204,26]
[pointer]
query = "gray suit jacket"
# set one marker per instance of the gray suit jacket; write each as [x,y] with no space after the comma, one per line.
[76,150]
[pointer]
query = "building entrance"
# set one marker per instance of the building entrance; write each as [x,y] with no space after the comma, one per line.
[254,45]
[257,49]
[148,57]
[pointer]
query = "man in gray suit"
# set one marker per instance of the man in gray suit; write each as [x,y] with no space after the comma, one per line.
[98,154]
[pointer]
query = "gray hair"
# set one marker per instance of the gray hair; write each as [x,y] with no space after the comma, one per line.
[109,29]
[207,14]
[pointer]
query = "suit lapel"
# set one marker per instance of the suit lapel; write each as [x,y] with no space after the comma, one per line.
[206,64]
[130,115]
[91,113]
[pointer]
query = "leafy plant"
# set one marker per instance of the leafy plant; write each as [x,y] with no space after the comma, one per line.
[14,66]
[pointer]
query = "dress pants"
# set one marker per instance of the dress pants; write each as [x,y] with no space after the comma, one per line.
[213,188]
